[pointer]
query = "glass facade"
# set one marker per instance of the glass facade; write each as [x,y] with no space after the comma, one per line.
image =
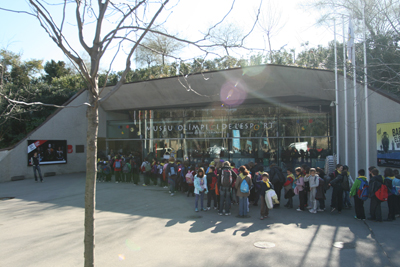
[258,133]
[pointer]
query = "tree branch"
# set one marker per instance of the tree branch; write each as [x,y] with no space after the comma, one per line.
[39,103]
[128,59]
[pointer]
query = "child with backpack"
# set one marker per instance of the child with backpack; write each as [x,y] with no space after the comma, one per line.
[200,188]
[243,181]
[265,185]
[117,169]
[288,186]
[360,194]
[320,195]
[388,181]
[100,174]
[127,171]
[339,184]
[146,168]
[313,180]
[346,185]
[225,180]
[211,183]
[396,185]
[189,177]
[153,171]
[235,199]
[171,172]
[107,171]
[299,190]
[375,183]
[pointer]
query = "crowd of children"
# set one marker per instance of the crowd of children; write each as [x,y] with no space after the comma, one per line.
[222,185]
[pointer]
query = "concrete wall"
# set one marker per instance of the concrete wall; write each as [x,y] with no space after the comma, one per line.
[381,109]
[68,124]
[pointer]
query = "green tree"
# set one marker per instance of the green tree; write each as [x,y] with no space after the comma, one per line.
[55,70]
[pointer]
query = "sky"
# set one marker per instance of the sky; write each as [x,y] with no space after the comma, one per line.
[22,33]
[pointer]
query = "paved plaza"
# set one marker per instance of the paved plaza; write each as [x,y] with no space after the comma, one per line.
[42,225]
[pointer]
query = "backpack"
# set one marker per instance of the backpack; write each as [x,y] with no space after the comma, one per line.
[118,164]
[172,170]
[154,169]
[126,168]
[276,178]
[332,176]
[100,168]
[213,182]
[396,186]
[189,177]
[345,183]
[363,190]
[382,193]
[244,187]
[226,178]
[147,167]
[106,169]
[257,180]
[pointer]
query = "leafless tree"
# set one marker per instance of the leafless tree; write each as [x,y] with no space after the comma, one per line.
[381,16]
[113,24]
[271,22]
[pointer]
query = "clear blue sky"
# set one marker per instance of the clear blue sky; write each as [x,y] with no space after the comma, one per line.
[22,33]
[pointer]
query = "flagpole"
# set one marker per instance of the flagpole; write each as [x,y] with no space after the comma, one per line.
[355,109]
[346,124]
[366,96]
[336,94]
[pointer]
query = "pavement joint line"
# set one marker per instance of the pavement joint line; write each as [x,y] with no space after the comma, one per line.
[379,244]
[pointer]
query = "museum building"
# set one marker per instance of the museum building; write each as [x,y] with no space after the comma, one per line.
[265,114]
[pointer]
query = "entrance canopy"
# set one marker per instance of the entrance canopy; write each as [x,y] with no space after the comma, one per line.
[256,84]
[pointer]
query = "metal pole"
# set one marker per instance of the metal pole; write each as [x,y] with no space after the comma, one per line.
[366,96]
[346,124]
[355,112]
[336,95]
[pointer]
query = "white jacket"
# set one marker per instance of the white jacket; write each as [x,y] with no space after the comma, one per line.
[313,180]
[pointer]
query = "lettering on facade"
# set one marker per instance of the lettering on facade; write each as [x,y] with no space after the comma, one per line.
[210,128]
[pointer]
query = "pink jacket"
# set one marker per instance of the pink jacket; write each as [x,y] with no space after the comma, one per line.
[299,185]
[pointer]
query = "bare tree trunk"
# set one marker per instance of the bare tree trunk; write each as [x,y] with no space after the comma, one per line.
[270,48]
[90,189]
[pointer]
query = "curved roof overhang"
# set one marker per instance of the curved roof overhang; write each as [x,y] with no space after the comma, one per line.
[253,85]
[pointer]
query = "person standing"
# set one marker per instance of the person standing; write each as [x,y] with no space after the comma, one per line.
[299,190]
[346,189]
[264,186]
[278,180]
[396,184]
[313,179]
[337,194]
[225,180]
[36,168]
[117,169]
[288,186]
[375,184]
[388,181]
[172,174]
[211,183]
[200,188]
[146,168]
[358,203]
[243,175]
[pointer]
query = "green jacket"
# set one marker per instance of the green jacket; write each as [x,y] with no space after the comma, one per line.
[356,185]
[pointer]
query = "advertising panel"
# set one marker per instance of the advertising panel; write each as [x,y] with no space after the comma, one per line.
[49,151]
[388,144]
